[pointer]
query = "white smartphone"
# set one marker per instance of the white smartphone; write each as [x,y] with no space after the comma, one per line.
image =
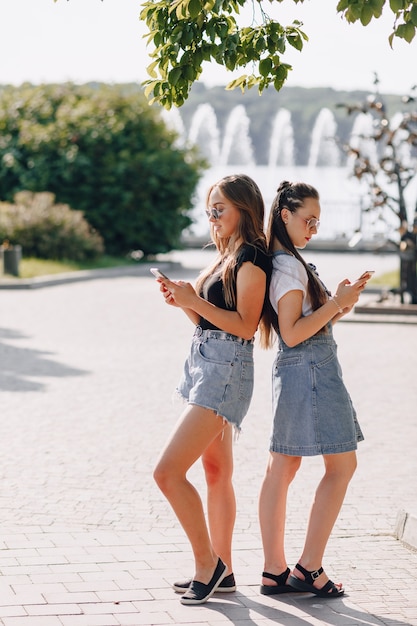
[158,274]
[368,274]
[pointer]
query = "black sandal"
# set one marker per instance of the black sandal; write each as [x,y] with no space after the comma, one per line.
[280,587]
[329,590]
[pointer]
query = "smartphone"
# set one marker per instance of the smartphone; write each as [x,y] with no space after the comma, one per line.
[368,274]
[157,273]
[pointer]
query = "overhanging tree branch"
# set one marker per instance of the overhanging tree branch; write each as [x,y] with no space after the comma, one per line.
[185,33]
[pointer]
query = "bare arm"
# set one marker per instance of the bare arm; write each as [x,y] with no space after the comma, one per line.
[192,315]
[295,328]
[250,289]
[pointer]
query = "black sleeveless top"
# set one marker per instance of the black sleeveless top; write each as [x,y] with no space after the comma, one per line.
[213,288]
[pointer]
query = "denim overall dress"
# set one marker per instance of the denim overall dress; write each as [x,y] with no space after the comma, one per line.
[312,409]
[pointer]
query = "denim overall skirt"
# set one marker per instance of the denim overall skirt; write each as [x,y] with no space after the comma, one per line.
[313,412]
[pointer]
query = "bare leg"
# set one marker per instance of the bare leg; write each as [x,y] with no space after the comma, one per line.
[196,430]
[221,502]
[280,472]
[331,491]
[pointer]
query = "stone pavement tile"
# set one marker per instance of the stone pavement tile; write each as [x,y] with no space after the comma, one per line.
[51,609]
[76,568]
[14,599]
[89,620]
[140,619]
[125,595]
[12,611]
[65,597]
[109,608]
[40,589]
[30,620]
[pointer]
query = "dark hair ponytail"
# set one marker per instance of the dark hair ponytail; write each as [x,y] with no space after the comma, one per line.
[291,196]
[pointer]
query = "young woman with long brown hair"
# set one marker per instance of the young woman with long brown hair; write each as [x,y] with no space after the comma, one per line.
[226,308]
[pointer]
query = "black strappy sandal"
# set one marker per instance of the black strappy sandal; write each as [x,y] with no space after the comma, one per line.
[280,587]
[329,590]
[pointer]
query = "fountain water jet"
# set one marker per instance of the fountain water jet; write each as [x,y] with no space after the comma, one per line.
[204,132]
[237,146]
[361,138]
[402,147]
[281,148]
[173,122]
[324,150]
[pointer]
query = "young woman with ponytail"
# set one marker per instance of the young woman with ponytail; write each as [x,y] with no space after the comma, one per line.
[313,412]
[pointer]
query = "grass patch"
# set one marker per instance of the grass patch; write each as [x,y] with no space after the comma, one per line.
[30,268]
[390,280]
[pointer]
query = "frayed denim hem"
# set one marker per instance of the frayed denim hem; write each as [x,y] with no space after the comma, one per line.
[236,429]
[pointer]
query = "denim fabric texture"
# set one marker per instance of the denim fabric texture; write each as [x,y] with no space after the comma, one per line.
[218,374]
[313,412]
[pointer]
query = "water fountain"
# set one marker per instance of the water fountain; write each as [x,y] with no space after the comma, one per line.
[205,133]
[281,149]
[402,147]
[324,149]
[362,130]
[173,121]
[338,192]
[237,145]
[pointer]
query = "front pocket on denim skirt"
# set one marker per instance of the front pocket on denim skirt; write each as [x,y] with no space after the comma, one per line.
[287,361]
[217,351]
[325,361]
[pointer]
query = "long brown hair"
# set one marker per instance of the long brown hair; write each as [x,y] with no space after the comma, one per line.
[246,196]
[291,196]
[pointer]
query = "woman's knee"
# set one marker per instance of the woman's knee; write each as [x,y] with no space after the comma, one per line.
[342,466]
[217,473]
[283,466]
[164,475]
[352,465]
[217,459]
[159,476]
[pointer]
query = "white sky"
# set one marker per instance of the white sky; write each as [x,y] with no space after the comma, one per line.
[83,40]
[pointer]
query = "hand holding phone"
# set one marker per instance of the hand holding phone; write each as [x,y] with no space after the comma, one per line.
[158,274]
[366,275]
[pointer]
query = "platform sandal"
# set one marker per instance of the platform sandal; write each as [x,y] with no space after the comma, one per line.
[280,587]
[329,590]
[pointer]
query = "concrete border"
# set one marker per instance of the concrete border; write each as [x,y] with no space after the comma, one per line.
[406,528]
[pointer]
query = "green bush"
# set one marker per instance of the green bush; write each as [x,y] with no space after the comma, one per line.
[47,230]
[103,150]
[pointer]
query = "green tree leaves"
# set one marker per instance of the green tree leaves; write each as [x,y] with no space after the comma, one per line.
[404,13]
[185,33]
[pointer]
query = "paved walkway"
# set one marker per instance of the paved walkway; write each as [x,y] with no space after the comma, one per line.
[86,377]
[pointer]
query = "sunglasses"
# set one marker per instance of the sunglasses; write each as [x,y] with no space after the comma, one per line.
[214,214]
[311,223]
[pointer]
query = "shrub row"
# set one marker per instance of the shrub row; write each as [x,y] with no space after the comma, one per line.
[47,230]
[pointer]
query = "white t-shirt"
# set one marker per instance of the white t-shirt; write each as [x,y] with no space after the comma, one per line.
[288,274]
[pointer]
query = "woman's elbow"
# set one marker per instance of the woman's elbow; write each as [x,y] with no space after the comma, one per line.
[248,331]
[290,340]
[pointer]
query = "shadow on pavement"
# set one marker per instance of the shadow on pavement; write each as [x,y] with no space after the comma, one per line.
[315,610]
[19,364]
